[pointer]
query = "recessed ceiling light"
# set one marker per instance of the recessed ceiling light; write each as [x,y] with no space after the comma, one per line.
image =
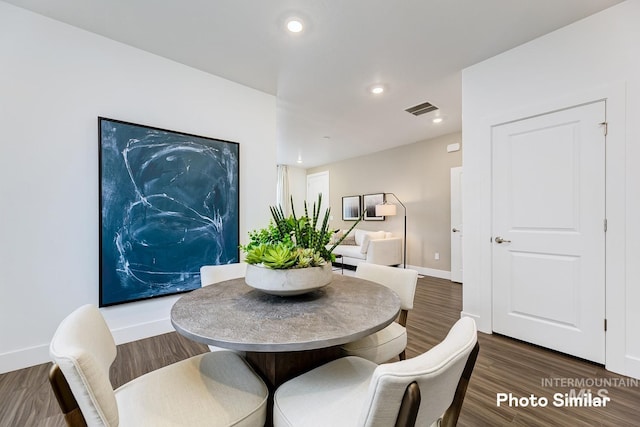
[377,89]
[437,120]
[295,25]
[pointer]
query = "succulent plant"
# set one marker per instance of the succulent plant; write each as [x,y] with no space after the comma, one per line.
[279,256]
[292,242]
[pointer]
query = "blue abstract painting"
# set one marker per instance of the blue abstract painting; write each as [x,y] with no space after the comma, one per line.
[168,205]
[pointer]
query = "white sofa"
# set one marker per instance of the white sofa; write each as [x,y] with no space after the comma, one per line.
[375,247]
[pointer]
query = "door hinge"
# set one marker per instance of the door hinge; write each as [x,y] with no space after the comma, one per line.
[605,127]
[605,225]
[605,325]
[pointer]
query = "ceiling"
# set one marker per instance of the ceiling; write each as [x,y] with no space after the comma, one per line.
[321,76]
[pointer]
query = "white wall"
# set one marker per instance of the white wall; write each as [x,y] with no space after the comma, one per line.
[419,174]
[54,81]
[596,58]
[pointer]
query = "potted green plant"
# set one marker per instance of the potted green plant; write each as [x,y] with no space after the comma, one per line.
[292,254]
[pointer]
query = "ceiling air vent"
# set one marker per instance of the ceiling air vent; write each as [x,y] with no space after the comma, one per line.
[423,108]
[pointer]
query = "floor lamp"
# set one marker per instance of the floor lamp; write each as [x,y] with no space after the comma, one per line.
[388,209]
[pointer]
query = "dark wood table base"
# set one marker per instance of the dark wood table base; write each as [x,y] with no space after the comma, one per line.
[284,337]
[276,368]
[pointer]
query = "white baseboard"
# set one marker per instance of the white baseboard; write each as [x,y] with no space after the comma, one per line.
[478,320]
[440,274]
[142,330]
[631,367]
[32,356]
[473,316]
[24,358]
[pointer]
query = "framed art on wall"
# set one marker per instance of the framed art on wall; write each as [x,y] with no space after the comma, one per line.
[169,204]
[350,208]
[369,202]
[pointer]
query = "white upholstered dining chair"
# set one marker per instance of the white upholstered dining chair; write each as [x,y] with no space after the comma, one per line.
[211,389]
[392,340]
[426,390]
[210,274]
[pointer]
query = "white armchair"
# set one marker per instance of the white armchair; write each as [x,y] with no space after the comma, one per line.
[354,392]
[386,251]
[211,389]
[372,247]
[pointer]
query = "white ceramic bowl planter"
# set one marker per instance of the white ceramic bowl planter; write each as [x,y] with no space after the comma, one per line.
[294,281]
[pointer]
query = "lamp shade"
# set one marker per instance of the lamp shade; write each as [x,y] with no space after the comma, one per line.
[386,209]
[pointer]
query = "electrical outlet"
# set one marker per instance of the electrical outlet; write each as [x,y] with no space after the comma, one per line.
[436,256]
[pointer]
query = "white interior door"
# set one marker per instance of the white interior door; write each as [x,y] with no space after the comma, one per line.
[549,230]
[456,224]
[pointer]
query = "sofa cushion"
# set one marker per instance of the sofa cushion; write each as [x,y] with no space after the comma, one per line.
[372,235]
[360,235]
[336,236]
[365,243]
[349,241]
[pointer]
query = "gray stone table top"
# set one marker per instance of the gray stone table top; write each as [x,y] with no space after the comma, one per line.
[233,315]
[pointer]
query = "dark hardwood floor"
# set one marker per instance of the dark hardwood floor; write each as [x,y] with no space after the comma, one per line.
[504,366]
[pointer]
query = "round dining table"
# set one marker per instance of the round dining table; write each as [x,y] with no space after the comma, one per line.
[283,337]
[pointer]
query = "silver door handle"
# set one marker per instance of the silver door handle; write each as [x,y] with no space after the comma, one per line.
[501,240]
[455,230]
